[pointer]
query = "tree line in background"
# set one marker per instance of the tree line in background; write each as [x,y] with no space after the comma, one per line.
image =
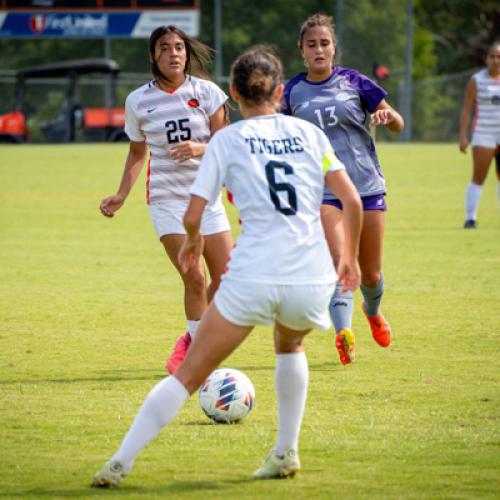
[450,36]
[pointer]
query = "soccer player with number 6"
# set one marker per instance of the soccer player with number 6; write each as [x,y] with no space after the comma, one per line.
[281,271]
[175,115]
[339,100]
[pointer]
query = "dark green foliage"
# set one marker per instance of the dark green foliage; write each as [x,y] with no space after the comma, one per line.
[450,36]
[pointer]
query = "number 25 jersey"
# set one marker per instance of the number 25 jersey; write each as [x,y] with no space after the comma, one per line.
[163,119]
[273,166]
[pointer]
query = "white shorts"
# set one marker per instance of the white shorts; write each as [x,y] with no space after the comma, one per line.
[298,307]
[167,219]
[485,140]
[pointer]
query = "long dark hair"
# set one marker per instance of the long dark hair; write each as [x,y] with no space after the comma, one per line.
[256,73]
[198,55]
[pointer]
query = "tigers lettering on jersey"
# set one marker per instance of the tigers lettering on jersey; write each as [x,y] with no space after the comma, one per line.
[273,166]
[275,146]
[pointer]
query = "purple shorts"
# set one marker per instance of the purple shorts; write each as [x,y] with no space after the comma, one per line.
[375,202]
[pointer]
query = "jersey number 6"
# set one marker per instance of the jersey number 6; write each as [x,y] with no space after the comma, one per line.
[275,187]
[178,130]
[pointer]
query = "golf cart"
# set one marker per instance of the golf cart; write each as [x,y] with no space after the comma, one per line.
[98,123]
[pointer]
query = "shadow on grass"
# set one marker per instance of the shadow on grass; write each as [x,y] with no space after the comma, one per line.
[134,376]
[123,375]
[180,488]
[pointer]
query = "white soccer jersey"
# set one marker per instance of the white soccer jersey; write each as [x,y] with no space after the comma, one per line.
[273,166]
[487,118]
[163,119]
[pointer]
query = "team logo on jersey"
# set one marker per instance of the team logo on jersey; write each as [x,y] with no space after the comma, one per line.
[193,103]
[300,107]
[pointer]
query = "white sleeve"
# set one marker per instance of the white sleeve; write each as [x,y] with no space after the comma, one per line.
[214,97]
[212,172]
[132,128]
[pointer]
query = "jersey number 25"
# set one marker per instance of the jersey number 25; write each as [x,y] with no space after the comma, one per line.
[178,130]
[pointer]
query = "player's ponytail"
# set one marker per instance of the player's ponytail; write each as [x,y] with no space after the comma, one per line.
[256,74]
[198,55]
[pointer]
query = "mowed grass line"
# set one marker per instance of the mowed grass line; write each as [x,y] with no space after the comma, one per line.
[90,308]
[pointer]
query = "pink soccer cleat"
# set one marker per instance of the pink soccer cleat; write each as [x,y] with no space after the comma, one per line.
[179,353]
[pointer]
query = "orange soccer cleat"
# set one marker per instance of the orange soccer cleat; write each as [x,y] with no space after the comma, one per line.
[381,331]
[179,353]
[346,345]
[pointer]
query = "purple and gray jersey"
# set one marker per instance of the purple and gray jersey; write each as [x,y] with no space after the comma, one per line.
[340,106]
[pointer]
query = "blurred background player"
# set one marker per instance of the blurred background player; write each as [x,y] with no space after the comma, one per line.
[280,271]
[339,100]
[482,94]
[175,115]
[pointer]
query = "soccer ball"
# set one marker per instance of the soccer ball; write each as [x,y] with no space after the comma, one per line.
[227,396]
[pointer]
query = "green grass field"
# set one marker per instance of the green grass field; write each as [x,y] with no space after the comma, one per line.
[90,308]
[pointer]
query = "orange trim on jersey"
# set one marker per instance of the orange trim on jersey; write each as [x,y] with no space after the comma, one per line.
[147,180]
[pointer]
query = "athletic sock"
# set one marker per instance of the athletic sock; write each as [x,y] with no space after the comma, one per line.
[193,327]
[472,196]
[159,408]
[291,380]
[372,296]
[341,309]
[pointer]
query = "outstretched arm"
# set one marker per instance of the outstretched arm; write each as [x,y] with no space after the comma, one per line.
[133,165]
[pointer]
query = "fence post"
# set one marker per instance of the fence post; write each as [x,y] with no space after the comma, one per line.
[406,110]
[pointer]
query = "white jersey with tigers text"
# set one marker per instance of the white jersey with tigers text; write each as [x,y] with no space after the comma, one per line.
[163,119]
[273,166]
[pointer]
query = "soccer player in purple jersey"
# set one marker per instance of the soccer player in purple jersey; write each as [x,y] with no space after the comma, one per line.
[173,117]
[340,100]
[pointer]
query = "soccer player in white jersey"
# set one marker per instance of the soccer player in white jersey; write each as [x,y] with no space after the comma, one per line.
[174,117]
[339,100]
[281,269]
[482,94]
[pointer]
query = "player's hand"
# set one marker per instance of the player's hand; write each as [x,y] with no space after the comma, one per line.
[382,117]
[349,275]
[186,150]
[190,252]
[464,143]
[111,204]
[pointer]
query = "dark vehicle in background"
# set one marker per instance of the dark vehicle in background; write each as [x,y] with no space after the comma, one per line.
[97,123]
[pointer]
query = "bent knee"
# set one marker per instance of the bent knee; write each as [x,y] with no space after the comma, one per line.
[194,281]
[371,278]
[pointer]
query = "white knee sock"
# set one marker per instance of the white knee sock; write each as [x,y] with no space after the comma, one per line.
[472,196]
[193,327]
[291,380]
[159,408]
